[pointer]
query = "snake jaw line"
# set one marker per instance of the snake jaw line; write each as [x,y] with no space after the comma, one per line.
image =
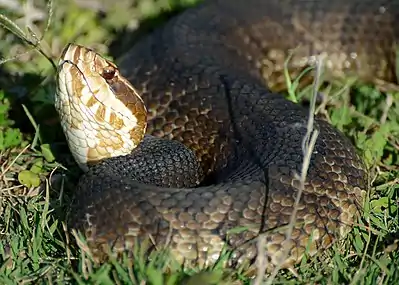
[102,115]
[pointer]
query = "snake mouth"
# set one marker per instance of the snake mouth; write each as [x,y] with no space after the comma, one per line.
[101,113]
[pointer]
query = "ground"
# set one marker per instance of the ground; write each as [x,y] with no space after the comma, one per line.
[37,169]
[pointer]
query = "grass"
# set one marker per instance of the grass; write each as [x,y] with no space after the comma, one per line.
[36,170]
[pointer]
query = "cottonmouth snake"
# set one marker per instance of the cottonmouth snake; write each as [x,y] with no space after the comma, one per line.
[202,78]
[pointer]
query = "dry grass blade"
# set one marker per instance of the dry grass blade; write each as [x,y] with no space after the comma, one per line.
[308,144]
[30,39]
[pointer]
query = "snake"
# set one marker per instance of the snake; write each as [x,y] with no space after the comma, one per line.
[188,145]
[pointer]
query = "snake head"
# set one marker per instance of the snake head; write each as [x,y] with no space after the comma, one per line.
[101,113]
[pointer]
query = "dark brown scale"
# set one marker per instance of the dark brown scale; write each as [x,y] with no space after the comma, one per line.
[215,64]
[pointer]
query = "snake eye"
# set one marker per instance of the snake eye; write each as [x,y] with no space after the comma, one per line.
[108,73]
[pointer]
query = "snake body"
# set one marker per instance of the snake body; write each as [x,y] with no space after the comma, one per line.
[202,78]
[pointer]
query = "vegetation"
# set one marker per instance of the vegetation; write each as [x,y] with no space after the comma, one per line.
[37,170]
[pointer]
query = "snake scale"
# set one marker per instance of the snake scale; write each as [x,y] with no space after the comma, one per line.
[205,80]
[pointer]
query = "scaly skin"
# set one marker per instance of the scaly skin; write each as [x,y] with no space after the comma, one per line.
[203,79]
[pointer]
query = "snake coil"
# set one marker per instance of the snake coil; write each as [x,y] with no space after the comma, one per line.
[200,81]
